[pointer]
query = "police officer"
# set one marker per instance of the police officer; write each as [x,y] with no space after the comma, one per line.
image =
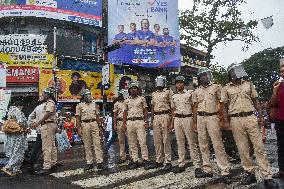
[118,125]
[205,120]
[182,121]
[161,122]
[88,121]
[48,129]
[239,100]
[135,121]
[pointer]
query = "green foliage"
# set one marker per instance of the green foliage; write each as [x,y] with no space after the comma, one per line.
[263,70]
[215,21]
[220,74]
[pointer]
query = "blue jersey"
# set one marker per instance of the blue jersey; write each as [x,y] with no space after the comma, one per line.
[132,35]
[168,38]
[158,38]
[145,35]
[120,36]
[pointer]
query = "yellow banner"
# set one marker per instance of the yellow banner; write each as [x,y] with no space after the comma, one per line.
[41,61]
[71,83]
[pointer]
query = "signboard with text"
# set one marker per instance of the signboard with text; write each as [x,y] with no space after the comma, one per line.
[22,74]
[147,30]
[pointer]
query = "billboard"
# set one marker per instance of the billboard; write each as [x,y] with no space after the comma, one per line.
[5,97]
[147,30]
[69,84]
[41,61]
[23,44]
[81,11]
[21,74]
[2,75]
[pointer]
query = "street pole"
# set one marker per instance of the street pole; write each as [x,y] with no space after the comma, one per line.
[54,62]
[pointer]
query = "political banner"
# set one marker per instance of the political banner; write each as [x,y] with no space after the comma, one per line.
[69,84]
[2,75]
[41,61]
[22,74]
[23,44]
[5,97]
[147,30]
[80,11]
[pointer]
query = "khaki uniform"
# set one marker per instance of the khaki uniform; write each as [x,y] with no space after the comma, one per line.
[161,102]
[181,103]
[207,99]
[118,108]
[90,131]
[239,99]
[136,127]
[48,130]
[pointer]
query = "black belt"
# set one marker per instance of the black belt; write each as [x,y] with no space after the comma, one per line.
[206,113]
[162,112]
[241,114]
[135,118]
[183,116]
[88,121]
[119,119]
[48,121]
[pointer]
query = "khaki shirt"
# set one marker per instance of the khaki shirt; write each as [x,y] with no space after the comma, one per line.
[50,107]
[207,98]
[135,106]
[239,97]
[118,107]
[161,100]
[182,102]
[87,111]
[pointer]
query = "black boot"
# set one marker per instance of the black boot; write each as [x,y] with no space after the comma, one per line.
[88,167]
[43,172]
[270,183]
[226,179]
[248,179]
[203,174]
[179,170]
[148,165]
[133,165]
[100,166]
[158,165]
[197,172]
[167,167]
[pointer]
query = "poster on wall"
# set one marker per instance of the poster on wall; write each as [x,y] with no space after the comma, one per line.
[69,84]
[80,11]
[147,30]
[22,74]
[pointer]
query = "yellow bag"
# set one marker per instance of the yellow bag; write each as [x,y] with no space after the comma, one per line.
[11,126]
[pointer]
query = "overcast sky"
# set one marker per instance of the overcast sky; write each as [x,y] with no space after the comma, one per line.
[256,10]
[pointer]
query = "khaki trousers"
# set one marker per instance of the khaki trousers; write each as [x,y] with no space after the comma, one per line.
[162,138]
[49,149]
[245,128]
[136,130]
[209,125]
[121,140]
[91,138]
[183,130]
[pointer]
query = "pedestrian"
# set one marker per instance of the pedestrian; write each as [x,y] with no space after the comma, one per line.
[277,100]
[239,101]
[182,121]
[135,121]
[118,127]
[48,128]
[88,121]
[69,126]
[16,143]
[35,116]
[161,121]
[205,120]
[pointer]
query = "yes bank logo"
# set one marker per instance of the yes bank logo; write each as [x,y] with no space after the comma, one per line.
[158,5]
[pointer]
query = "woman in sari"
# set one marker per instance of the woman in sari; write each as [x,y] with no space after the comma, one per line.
[15,144]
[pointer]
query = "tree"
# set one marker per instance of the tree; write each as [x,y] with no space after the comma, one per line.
[215,21]
[220,74]
[263,70]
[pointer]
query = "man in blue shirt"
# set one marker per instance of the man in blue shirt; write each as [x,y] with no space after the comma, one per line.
[133,35]
[145,36]
[167,39]
[158,37]
[121,36]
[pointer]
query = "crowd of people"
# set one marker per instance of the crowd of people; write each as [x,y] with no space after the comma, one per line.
[195,116]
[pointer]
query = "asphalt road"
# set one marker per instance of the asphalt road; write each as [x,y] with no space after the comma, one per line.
[71,175]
